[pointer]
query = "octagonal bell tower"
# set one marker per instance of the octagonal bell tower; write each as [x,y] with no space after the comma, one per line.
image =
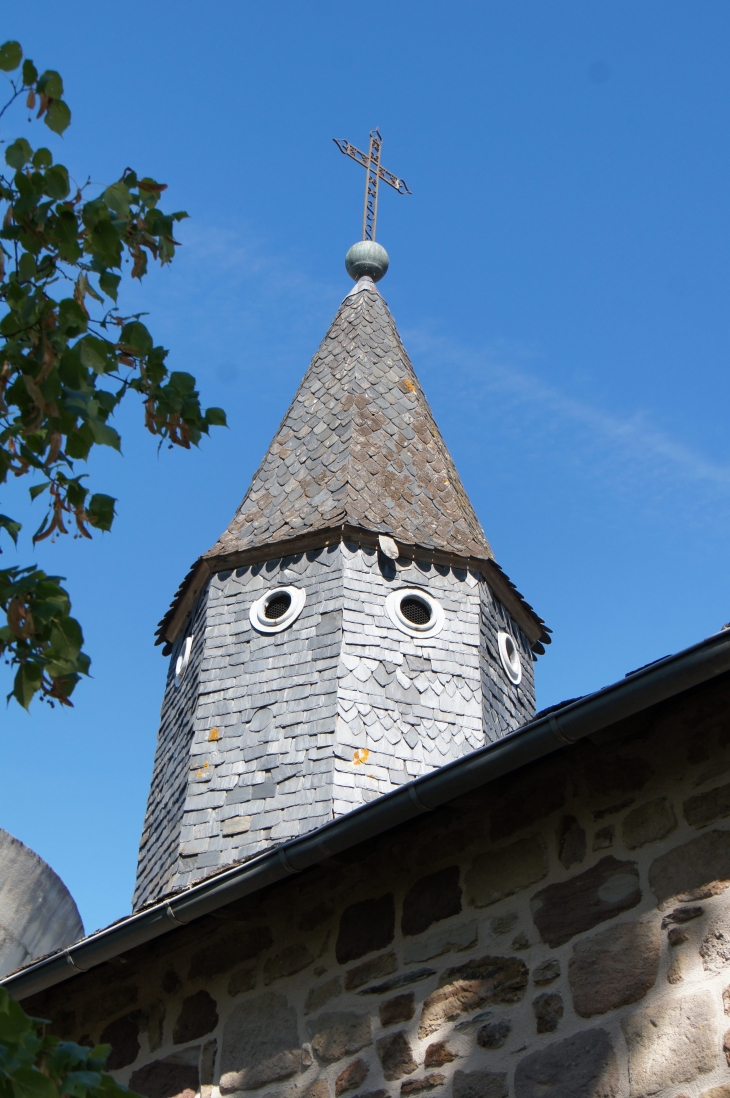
[348,632]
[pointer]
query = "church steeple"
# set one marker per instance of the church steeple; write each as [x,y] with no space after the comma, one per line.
[348,631]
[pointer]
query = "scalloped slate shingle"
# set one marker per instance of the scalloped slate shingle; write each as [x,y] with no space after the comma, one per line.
[358,445]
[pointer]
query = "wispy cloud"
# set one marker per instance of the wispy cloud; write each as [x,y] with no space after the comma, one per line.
[643,450]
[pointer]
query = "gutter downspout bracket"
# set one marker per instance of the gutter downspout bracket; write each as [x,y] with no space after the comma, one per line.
[558,732]
[70,961]
[170,914]
[413,794]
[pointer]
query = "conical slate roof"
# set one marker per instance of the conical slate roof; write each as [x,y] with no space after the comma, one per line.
[358,446]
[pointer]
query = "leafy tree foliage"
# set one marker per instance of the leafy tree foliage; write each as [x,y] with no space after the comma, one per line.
[33,1065]
[68,357]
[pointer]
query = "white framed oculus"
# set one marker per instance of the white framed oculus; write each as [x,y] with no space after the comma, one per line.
[277,609]
[182,661]
[510,656]
[415,612]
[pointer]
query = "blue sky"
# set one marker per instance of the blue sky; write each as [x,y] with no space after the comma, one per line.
[560,277]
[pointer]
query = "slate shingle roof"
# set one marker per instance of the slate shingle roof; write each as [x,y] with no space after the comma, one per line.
[358,446]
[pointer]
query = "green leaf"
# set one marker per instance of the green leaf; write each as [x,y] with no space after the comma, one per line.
[66,638]
[101,511]
[216,417]
[105,243]
[92,211]
[77,1083]
[117,198]
[14,1023]
[97,355]
[181,383]
[75,491]
[55,182]
[109,284]
[30,73]
[100,1053]
[72,319]
[11,527]
[26,267]
[105,435]
[58,116]
[36,490]
[29,1082]
[27,683]
[11,55]
[18,154]
[51,84]
[42,158]
[79,442]
[65,228]
[136,336]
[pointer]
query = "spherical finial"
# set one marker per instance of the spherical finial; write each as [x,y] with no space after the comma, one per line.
[367,257]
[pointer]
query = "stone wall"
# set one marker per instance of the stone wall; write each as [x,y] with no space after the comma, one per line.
[561,933]
[269,736]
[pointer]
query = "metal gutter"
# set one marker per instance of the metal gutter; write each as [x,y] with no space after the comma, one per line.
[638,691]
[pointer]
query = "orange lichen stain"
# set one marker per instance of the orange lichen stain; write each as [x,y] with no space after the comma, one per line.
[199,773]
[214,734]
[410,385]
[360,756]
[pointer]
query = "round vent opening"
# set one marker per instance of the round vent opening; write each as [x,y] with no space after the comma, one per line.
[510,657]
[277,606]
[415,610]
[277,609]
[182,661]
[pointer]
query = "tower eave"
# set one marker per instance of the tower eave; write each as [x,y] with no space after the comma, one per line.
[173,622]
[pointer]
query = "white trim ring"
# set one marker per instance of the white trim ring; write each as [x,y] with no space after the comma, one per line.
[430,628]
[510,656]
[182,661]
[257,613]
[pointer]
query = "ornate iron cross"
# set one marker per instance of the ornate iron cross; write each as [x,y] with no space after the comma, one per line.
[370,161]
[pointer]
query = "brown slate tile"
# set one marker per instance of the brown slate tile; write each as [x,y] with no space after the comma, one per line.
[359,429]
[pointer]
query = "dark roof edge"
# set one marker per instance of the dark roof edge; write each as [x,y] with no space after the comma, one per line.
[531,624]
[655,683]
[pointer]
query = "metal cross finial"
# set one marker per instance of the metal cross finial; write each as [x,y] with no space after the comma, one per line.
[374,173]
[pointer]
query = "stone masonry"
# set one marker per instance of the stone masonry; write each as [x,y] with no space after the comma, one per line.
[270,736]
[563,932]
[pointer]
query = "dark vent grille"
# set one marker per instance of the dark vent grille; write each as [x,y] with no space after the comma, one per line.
[277,607]
[415,611]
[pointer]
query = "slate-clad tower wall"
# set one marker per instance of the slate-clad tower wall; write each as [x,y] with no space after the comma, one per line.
[160,843]
[267,736]
[261,745]
[293,729]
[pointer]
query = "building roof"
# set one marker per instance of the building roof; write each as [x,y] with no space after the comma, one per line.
[358,445]
[358,449]
[604,711]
